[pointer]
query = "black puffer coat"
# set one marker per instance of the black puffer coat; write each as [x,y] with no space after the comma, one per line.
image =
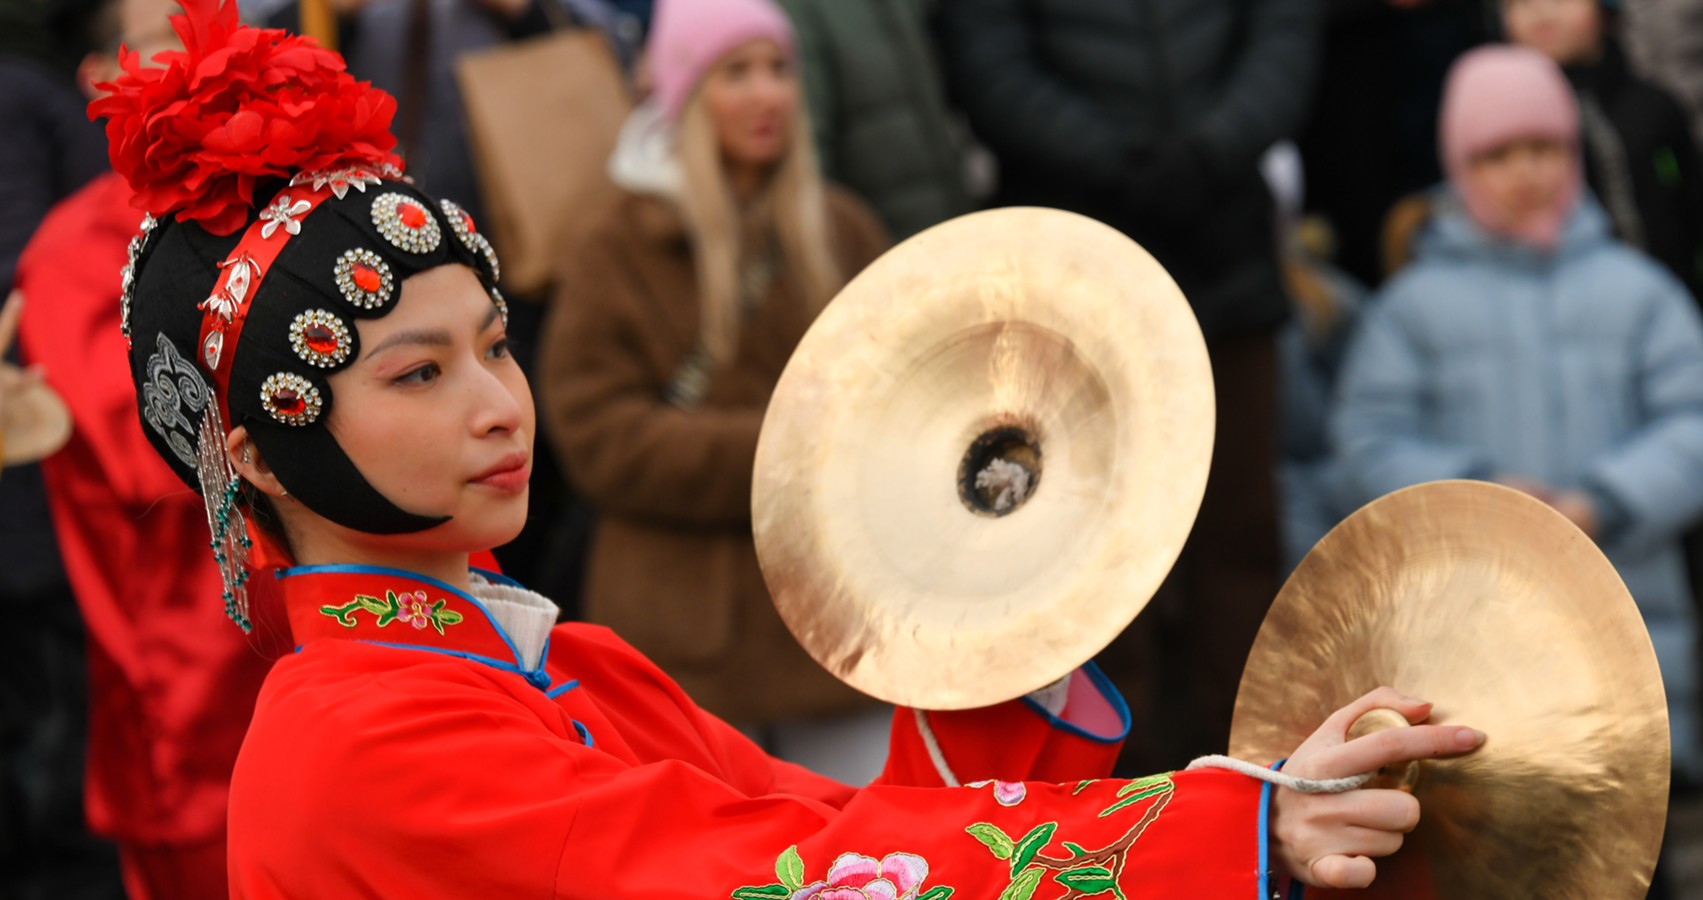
[1642,164]
[1149,115]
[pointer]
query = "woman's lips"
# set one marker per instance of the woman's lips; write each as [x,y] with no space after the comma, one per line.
[509,476]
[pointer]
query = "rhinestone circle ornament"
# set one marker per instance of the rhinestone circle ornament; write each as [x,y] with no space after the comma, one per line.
[405,223]
[291,399]
[364,278]
[320,338]
[461,222]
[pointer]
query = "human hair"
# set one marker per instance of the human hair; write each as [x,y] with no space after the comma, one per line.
[792,206]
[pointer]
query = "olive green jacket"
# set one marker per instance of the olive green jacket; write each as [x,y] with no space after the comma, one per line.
[878,109]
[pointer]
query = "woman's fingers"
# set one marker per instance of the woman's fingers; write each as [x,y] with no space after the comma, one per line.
[1414,709]
[1343,872]
[1379,749]
[1382,810]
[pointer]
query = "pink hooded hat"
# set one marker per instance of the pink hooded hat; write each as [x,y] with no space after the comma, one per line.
[689,36]
[1496,95]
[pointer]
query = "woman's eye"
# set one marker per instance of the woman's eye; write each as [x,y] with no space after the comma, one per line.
[425,374]
[501,349]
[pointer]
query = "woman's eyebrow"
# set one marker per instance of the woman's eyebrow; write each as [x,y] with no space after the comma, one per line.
[430,337]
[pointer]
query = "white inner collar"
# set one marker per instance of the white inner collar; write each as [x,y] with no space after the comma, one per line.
[525,616]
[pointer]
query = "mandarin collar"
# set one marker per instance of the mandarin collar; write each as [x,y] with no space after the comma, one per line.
[498,623]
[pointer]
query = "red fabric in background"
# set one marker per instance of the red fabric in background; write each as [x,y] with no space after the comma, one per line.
[172,681]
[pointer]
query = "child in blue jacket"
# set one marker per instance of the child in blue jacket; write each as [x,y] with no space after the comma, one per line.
[1526,345]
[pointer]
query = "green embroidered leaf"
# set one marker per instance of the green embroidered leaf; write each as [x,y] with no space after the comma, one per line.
[1083,785]
[1142,784]
[390,610]
[372,604]
[938,892]
[994,839]
[1135,798]
[345,615]
[766,892]
[1031,845]
[1087,879]
[790,868]
[450,617]
[1023,886]
[1075,848]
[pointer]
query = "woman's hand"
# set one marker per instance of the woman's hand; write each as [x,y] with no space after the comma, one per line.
[1328,840]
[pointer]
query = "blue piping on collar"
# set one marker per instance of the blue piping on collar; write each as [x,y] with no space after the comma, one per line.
[355,569]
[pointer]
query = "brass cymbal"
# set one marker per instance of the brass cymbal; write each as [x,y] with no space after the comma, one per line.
[34,422]
[1493,606]
[1038,350]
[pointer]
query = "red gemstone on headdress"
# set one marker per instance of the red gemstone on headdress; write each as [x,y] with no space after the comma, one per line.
[320,338]
[467,222]
[367,278]
[412,216]
[288,402]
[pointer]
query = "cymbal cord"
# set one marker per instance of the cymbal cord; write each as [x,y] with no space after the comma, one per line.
[1301,785]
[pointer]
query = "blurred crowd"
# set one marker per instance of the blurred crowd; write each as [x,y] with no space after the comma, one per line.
[1423,239]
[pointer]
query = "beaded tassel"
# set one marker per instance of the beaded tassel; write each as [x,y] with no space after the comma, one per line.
[220,489]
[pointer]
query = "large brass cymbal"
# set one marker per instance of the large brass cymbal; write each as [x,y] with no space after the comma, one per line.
[1028,339]
[1493,606]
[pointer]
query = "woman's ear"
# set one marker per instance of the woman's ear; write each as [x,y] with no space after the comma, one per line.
[245,457]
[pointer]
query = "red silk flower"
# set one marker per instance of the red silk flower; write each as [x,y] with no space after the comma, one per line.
[194,132]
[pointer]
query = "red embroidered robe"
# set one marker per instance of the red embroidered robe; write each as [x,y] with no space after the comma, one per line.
[411,748]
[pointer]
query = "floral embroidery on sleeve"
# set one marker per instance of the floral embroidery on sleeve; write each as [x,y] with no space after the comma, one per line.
[1080,871]
[853,876]
[1005,793]
[413,608]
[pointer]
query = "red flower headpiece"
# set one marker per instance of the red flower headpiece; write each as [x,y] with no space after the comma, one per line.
[236,106]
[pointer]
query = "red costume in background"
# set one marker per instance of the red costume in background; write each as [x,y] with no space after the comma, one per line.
[172,681]
[425,742]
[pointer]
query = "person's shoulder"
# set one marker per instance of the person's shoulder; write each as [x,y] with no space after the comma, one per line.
[1628,272]
[596,654]
[854,221]
[99,210]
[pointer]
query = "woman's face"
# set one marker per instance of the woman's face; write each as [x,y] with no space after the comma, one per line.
[1567,31]
[752,95]
[437,415]
[1523,180]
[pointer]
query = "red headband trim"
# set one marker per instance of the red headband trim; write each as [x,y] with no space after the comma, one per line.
[226,309]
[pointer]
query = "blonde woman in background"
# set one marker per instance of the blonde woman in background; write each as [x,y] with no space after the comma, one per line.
[670,328]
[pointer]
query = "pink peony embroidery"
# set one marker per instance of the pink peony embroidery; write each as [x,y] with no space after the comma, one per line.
[414,609]
[1005,793]
[897,876]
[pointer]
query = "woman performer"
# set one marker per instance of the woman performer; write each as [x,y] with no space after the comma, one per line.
[670,329]
[319,349]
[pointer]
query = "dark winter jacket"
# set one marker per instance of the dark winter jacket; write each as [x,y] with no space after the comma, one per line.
[878,109]
[1642,163]
[1151,116]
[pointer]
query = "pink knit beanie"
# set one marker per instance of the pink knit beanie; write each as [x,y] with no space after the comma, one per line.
[1496,95]
[688,37]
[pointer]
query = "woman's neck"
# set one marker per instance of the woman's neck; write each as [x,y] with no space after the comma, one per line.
[328,549]
[747,181]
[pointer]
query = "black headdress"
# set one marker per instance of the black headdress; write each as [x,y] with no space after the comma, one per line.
[276,217]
